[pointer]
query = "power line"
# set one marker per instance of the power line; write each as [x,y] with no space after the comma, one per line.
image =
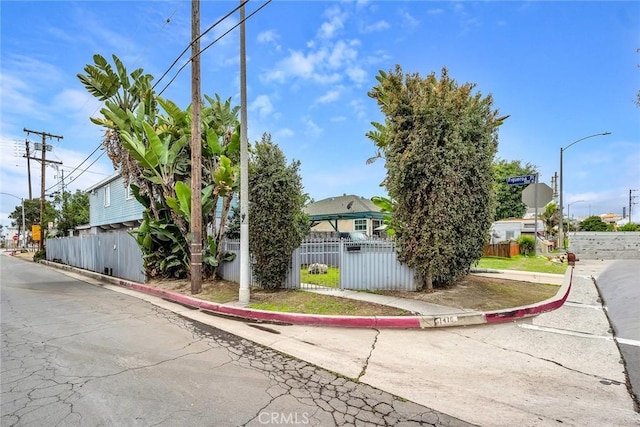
[80,174]
[178,72]
[167,21]
[213,42]
[211,27]
[78,167]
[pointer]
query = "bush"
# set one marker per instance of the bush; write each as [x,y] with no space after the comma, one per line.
[526,245]
[40,255]
[630,226]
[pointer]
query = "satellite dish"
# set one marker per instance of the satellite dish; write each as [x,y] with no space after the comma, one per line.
[349,205]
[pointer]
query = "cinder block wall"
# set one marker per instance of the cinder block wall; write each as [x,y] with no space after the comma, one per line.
[605,245]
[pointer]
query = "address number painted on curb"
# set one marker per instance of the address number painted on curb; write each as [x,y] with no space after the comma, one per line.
[441,321]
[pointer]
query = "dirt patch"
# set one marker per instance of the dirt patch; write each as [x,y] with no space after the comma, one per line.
[285,300]
[484,293]
[471,292]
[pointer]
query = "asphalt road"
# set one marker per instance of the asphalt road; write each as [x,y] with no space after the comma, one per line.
[619,287]
[80,355]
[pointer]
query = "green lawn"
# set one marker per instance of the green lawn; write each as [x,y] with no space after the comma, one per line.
[538,264]
[331,279]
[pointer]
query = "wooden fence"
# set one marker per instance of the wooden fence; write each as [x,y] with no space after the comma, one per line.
[504,250]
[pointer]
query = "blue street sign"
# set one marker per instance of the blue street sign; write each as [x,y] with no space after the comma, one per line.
[521,180]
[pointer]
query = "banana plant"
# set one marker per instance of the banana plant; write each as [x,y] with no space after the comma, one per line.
[386,206]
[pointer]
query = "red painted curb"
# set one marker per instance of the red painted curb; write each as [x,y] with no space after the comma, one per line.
[400,322]
[389,322]
[507,316]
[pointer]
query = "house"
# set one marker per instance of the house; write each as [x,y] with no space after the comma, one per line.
[345,213]
[512,228]
[111,207]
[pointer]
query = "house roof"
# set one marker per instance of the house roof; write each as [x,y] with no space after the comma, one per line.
[345,206]
[103,182]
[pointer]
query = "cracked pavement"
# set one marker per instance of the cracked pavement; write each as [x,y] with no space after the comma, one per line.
[79,355]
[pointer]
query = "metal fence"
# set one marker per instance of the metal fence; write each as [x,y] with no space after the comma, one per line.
[114,254]
[373,265]
[230,270]
[338,264]
[359,265]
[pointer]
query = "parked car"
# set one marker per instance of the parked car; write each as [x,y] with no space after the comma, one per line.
[353,236]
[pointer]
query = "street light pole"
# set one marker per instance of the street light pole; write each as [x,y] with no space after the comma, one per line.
[24,229]
[562,150]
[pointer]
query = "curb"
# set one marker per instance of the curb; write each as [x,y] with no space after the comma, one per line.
[369,322]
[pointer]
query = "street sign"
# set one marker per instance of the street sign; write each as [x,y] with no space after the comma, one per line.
[545,194]
[521,180]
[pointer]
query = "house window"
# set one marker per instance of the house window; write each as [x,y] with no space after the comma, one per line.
[375,223]
[107,195]
[510,234]
[360,225]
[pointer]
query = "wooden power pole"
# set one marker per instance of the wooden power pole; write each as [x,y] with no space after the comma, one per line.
[44,135]
[196,153]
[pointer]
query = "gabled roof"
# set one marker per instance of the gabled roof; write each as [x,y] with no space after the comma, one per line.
[103,182]
[346,206]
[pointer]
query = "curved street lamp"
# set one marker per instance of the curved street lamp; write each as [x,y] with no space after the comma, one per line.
[24,229]
[562,150]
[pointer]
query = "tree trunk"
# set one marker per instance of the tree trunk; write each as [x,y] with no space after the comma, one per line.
[223,222]
[428,281]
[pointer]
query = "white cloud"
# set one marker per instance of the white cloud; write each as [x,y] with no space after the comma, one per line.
[359,108]
[269,37]
[335,23]
[262,104]
[311,129]
[328,97]
[376,26]
[408,20]
[342,53]
[283,133]
[357,75]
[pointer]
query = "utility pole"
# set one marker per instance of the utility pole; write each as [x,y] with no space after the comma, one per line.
[44,135]
[26,141]
[196,153]
[244,291]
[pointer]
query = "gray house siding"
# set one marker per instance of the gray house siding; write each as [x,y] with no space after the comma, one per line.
[109,203]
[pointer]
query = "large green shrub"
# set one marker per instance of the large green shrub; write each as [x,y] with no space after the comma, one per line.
[277,223]
[630,226]
[439,140]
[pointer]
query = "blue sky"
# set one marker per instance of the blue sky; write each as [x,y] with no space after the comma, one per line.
[561,70]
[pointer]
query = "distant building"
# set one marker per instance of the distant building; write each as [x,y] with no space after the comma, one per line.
[512,228]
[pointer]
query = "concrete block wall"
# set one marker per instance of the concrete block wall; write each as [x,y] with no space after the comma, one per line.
[605,245]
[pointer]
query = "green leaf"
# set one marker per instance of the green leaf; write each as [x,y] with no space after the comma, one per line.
[183,192]
[157,151]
